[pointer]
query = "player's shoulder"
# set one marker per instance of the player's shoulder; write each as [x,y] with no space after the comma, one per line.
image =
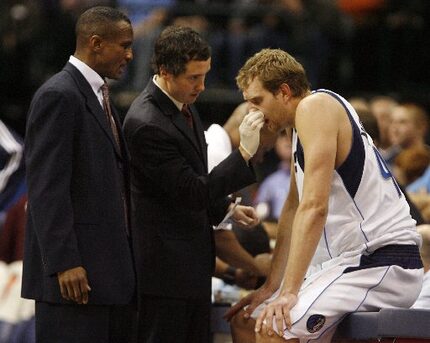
[317,100]
[326,104]
[315,104]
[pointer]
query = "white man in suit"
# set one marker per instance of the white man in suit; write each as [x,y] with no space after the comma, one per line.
[175,200]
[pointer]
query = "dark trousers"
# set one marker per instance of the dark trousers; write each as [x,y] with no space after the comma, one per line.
[171,320]
[57,323]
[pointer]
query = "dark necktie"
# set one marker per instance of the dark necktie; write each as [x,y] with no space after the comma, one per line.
[187,114]
[114,128]
[108,111]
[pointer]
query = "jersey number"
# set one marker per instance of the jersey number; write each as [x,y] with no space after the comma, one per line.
[385,172]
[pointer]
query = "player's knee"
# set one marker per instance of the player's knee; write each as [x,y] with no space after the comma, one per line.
[237,321]
[263,337]
[239,324]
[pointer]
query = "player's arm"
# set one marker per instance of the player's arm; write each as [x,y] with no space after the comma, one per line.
[283,237]
[229,250]
[317,127]
[279,259]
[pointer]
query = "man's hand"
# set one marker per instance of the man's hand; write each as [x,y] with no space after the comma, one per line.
[74,285]
[252,300]
[249,131]
[245,216]
[280,310]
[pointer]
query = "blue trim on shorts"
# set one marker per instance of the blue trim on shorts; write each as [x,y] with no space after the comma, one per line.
[405,256]
[356,309]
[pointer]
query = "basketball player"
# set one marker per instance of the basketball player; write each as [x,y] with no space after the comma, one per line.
[346,241]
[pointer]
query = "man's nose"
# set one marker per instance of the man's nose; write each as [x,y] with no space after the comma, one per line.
[129,55]
[201,86]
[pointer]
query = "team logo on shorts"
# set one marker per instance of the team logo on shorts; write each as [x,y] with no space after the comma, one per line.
[315,323]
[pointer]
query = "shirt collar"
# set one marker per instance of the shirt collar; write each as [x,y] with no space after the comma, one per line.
[94,79]
[177,103]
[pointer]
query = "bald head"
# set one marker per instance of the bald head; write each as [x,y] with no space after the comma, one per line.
[98,21]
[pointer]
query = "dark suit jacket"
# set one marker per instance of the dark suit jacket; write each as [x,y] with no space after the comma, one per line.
[175,201]
[75,209]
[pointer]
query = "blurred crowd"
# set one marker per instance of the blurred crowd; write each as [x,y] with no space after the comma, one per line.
[352,46]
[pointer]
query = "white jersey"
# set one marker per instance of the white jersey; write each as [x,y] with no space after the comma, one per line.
[367,209]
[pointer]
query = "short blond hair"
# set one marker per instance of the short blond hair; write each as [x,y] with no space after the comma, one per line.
[273,67]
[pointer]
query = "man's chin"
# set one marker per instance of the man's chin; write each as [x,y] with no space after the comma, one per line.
[192,99]
[271,127]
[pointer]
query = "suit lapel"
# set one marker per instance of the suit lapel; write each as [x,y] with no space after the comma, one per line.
[200,135]
[94,106]
[178,119]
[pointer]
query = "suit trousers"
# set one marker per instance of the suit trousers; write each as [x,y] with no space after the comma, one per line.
[174,320]
[57,323]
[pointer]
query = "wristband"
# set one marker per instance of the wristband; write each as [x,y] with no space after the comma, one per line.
[229,276]
[260,281]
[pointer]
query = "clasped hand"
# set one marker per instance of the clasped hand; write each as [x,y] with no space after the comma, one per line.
[245,216]
[279,310]
[74,285]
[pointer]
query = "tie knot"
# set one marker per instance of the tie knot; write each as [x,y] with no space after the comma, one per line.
[105,90]
[187,114]
[186,110]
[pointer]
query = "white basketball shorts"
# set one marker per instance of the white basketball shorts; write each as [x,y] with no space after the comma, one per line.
[327,296]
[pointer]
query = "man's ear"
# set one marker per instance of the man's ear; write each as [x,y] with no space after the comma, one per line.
[96,43]
[164,73]
[285,91]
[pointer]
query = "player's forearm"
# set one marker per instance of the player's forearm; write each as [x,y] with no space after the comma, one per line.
[230,251]
[283,241]
[307,229]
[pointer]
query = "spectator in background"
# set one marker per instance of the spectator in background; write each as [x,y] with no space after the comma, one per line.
[12,185]
[359,103]
[410,164]
[382,108]
[78,263]
[12,234]
[408,130]
[370,124]
[409,126]
[12,195]
[146,32]
[273,191]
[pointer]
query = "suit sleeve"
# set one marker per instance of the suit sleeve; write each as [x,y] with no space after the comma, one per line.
[49,163]
[161,161]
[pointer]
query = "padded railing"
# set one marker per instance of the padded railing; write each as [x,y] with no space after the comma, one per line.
[397,324]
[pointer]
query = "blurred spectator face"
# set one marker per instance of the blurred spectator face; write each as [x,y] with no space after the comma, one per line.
[382,109]
[187,86]
[283,148]
[403,130]
[359,104]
